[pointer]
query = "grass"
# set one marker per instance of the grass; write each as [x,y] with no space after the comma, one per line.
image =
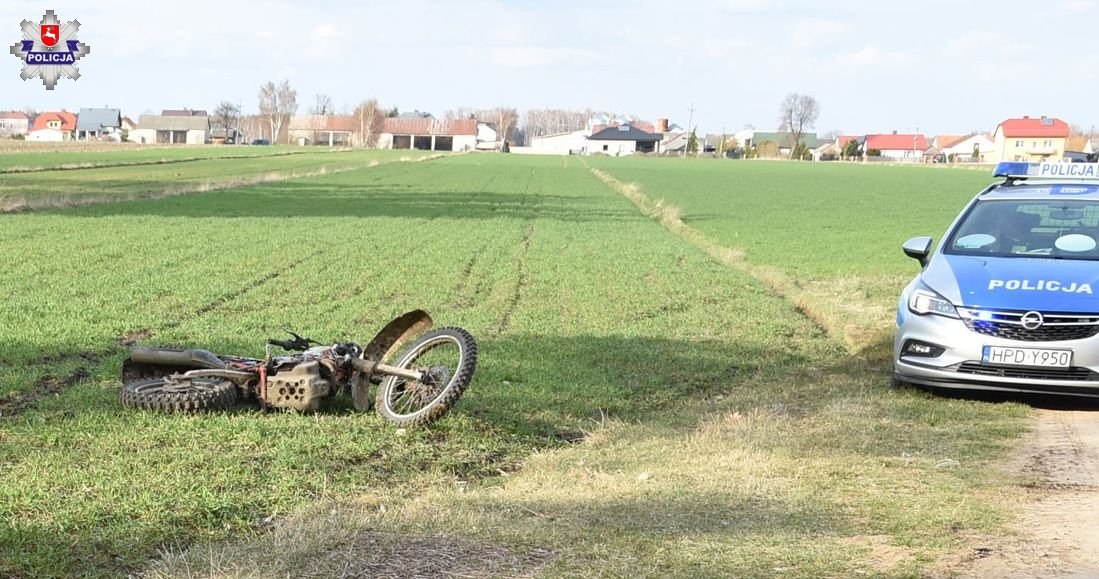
[37,157]
[827,235]
[130,179]
[641,408]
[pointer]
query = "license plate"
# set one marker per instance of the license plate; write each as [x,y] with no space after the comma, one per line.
[1027,357]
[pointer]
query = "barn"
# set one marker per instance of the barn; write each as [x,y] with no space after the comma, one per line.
[428,134]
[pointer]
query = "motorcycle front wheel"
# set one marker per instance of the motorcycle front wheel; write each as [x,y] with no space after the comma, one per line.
[447,358]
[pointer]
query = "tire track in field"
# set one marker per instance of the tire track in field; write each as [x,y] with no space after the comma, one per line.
[234,294]
[503,323]
[772,277]
[466,298]
[522,274]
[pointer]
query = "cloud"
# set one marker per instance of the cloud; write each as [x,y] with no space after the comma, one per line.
[1076,6]
[541,56]
[815,32]
[871,58]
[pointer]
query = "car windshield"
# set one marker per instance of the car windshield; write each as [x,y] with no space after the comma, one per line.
[1057,228]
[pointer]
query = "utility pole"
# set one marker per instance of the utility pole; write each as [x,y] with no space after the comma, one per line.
[690,119]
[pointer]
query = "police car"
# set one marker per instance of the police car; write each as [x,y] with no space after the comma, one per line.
[1007,301]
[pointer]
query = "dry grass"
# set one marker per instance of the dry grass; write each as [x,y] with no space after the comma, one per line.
[336,542]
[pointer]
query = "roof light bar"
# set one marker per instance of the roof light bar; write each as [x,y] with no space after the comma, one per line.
[1017,170]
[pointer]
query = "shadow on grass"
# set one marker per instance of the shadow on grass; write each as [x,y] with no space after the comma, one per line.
[303,199]
[878,359]
[529,392]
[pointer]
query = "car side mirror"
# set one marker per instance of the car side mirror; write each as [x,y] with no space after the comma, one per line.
[918,248]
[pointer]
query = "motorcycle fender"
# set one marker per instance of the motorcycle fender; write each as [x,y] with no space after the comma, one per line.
[382,347]
[396,333]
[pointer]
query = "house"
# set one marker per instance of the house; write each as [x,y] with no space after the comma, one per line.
[624,139]
[1030,139]
[171,130]
[783,142]
[326,130]
[99,124]
[828,151]
[53,126]
[128,124]
[487,138]
[962,149]
[13,123]
[428,134]
[183,113]
[567,143]
[896,146]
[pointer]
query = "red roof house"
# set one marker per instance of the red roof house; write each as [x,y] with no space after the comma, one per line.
[1030,139]
[53,126]
[1028,127]
[897,146]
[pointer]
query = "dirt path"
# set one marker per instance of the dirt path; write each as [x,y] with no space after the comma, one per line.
[1058,534]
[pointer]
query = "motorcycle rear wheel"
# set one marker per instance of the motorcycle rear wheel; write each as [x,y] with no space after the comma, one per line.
[449,368]
[184,395]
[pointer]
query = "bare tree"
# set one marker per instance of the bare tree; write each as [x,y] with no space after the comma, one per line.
[539,122]
[276,104]
[225,117]
[323,105]
[370,118]
[797,115]
[504,119]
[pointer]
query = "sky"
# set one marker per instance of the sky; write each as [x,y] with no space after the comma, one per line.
[935,66]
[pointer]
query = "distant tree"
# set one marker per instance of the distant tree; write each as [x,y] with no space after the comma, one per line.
[801,152]
[276,105]
[392,113]
[976,152]
[370,118]
[225,117]
[322,105]
[851,149]
[539,122]
[873,153]
[767,150]
[692,143]
[797,115]
[728,143]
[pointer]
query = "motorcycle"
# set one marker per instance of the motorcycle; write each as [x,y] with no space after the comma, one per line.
[421,386]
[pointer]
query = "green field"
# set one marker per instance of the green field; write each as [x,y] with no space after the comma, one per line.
[35,157]
[641,409]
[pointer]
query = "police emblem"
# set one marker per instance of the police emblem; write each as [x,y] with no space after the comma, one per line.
[49,49]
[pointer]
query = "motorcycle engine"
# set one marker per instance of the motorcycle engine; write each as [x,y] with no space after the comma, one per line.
[300,388]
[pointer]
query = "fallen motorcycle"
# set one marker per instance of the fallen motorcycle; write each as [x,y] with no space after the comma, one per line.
[422,385]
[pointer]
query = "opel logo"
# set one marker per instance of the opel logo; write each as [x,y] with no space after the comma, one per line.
[1032,320]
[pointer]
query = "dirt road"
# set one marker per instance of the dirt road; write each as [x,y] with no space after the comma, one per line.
[1058,534]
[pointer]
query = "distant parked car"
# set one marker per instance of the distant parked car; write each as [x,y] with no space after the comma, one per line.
[261,141]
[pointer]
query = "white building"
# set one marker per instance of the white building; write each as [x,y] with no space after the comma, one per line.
[171,130]
[570,143]
[623,140]
[963,148]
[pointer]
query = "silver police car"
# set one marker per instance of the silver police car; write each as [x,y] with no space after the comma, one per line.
[1007,301]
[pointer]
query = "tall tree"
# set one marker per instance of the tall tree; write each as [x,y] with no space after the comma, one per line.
[276,104]
[370,118]
[225,117]
[323,105]
[797,115]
